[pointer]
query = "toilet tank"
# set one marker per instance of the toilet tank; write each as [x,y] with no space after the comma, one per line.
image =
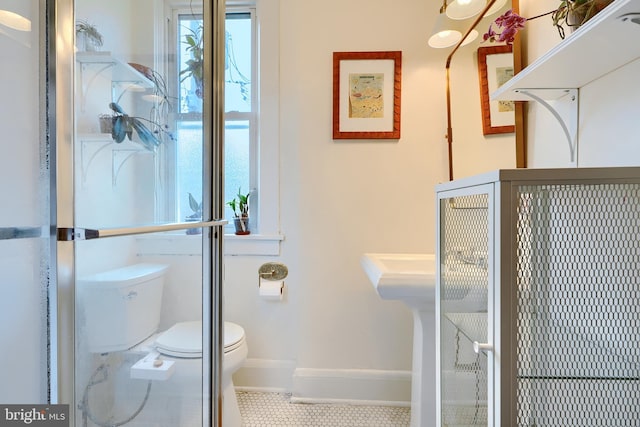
[119,308]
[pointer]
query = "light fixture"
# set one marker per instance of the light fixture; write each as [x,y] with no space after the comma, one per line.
[495,7]
[443,34]
[447,32]
[15,21]
[465,9]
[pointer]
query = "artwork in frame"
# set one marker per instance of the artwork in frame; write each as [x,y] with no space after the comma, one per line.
[495,67]
[366,95]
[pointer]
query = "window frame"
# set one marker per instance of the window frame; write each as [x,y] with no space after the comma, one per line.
[265,238]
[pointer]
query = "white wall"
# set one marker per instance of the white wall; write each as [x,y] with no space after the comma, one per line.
[340,199]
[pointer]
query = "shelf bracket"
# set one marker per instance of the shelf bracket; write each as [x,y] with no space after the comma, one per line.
[120,157]
[565,110]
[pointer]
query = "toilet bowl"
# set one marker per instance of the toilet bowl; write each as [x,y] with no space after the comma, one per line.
[184,341]
[121,310]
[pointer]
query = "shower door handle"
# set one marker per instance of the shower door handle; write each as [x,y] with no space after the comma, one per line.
[70,234]
[478,347]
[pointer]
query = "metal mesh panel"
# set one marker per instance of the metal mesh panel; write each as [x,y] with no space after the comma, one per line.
[463,304]
[578,293]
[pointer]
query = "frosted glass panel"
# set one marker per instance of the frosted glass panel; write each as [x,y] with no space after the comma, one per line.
[24,193]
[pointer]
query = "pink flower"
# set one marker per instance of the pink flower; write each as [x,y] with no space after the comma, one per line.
[510,23]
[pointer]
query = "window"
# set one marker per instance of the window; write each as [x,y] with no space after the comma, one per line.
[240,132]
[251,148]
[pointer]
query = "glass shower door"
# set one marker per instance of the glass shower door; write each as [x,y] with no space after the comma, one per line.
[26,258]
[136,268]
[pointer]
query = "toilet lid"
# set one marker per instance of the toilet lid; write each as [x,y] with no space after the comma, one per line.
[233,336]
[184,339]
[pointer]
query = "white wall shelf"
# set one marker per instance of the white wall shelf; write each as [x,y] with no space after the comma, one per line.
[120,71]
[605,43]
[93,64]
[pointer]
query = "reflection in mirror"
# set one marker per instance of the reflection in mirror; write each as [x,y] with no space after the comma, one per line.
[471,150]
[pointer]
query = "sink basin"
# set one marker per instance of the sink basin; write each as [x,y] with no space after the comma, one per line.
[401,276]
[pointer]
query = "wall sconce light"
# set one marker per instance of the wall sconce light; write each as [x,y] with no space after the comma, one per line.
[447,32]
[14,21]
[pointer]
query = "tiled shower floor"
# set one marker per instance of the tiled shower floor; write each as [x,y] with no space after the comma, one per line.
[275,410]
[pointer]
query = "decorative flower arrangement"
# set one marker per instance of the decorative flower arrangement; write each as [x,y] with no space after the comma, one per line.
[570,13]
[510,23]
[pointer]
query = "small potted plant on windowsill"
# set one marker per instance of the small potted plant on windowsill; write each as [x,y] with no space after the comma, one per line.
[196,216]
[240,207]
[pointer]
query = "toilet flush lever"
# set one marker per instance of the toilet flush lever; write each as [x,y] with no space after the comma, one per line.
[477,346]
[131,295]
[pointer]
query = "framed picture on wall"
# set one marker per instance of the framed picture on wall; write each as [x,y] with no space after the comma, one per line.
[495,67]
[366,95]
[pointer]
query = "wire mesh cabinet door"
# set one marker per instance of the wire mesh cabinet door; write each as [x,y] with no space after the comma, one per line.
[578,298]
[464,307]
[538,298]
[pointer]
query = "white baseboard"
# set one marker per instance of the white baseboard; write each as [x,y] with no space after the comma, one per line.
[265,375]
[353,386]
[309,385]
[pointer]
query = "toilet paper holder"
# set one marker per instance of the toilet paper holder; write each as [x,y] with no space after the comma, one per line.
[272,271]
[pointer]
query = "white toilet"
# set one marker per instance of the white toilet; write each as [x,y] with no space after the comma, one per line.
[184,341]
[122,312]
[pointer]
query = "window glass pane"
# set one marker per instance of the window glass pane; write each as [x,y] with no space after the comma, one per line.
[238,62]
[236,160]
[190,51]
[189,165]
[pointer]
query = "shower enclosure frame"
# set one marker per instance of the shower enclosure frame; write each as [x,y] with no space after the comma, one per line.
[59,30]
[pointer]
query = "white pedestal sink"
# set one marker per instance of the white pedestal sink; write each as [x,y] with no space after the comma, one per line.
[411,278]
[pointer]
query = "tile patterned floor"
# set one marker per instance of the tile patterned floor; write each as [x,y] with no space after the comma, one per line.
[275,410]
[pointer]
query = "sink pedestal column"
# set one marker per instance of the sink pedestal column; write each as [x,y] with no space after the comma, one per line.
[423,379]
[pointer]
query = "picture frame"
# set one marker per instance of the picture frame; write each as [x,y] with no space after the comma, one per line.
[495,67]
[366,95]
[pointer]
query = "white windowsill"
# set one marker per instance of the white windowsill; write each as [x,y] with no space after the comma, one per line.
[183,244]
[252,244]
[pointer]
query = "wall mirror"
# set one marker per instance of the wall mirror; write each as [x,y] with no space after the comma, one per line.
[473,149]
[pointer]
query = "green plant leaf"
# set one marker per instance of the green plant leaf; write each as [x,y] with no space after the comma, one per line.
[194,205]
[119,130]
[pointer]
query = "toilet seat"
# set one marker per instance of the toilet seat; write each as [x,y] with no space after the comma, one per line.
[184,339]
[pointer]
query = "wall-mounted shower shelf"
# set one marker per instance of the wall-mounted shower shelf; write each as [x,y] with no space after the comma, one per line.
[120,71]
[94,64]
[92,145]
